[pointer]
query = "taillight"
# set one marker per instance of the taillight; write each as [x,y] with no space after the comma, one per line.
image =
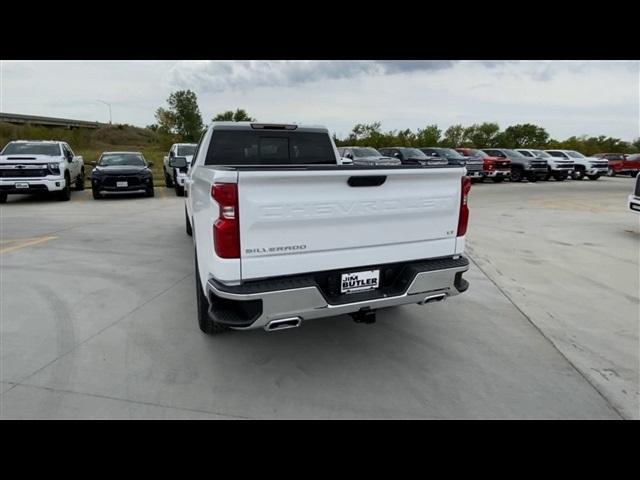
[226,229]
[463,218]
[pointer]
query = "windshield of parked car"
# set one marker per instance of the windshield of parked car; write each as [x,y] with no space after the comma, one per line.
[32,148]
[412,153]
[574,154]
[185,150]
[541,153]
[475,153]
[366,152]
[449,153]
[513,153]
[124,159]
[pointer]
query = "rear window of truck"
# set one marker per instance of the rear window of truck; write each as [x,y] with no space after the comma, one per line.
[269,148]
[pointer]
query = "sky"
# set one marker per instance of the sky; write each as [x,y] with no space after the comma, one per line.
[565,97]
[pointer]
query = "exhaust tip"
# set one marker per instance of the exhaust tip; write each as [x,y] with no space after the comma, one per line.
[283,324]
[433,298]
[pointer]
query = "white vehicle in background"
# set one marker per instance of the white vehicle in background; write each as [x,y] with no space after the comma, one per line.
[634,198]
[173,176]
[285,233]
[33,166]
[591,167]
[558,168]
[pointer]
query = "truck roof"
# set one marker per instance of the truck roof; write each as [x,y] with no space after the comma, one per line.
[36,141]
[116,153]
[268,126]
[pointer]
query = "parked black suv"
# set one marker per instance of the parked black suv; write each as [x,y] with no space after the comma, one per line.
[121,172]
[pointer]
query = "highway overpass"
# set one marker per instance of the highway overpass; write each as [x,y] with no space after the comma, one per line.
[18,118]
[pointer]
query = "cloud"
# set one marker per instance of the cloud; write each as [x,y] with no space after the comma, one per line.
[220,76]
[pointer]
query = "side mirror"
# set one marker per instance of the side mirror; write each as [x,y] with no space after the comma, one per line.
[349,155]
[94,163]
[172,154]
[149,164]
[397,155]
[178,162]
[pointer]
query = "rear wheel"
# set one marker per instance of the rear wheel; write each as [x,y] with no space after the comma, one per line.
[187,223]
[206,324]
[80,181]
[593,177]
[610,172]
[3,198]
[179,191]
[532,178]
[65,194]
[516,175]
[560,178]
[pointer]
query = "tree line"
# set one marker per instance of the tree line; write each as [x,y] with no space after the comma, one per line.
[482,135]
[182,121]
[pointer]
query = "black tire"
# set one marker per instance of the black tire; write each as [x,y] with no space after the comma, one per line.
[179,191]
[516,175]
[547,177]
[150,192]
[633,174]
[96,194]
[3,198]
[187,223]
[64,195]
[578,174]
[610,172]
[206,324]
[532,178]
[498,179]
[168,180]
[560,178]
[80,181]
[593,177]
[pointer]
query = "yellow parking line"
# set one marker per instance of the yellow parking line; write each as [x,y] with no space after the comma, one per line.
[26,243]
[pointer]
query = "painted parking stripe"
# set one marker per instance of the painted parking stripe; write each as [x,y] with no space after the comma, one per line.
[27,242]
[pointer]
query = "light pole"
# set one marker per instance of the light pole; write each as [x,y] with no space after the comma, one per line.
[109,105]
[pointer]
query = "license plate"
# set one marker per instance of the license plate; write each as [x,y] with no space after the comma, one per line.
[122,184]
[22,185]
[359,281]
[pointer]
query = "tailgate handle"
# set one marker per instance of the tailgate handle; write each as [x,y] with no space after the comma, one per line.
[368,181]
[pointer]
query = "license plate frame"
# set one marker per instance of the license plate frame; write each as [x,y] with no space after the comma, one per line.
[21,185]
[360,281]
[122,184]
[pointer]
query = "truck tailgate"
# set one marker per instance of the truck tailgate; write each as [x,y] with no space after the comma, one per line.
[412,215]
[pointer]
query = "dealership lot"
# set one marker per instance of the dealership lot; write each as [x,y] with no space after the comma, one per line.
[98,320]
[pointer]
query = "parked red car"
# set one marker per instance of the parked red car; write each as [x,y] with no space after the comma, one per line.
[495,168]
[621,163]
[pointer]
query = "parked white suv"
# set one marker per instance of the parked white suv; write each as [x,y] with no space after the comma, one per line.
[32,166]
[175,177]
[558,168]
[590,167]
[283,233]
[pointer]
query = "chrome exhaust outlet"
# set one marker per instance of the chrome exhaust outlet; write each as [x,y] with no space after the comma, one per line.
[282,324]
[438,297]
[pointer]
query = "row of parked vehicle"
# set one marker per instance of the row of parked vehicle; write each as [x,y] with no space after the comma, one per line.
[52,166]
[499,164]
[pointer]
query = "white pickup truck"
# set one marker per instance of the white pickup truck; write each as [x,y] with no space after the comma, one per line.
[173,176]
[31,167]
[285,233]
